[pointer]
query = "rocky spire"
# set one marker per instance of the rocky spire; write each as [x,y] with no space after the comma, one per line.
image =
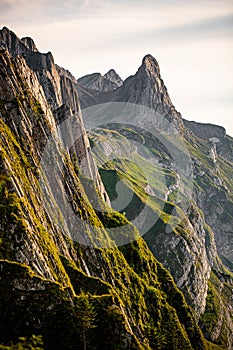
[29,42]
[145,88]
[150,65]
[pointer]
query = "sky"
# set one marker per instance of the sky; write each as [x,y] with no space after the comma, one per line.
[191,40]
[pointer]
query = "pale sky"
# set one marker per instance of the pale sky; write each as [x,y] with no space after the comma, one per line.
[192,41]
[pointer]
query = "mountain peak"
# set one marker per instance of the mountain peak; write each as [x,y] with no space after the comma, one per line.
[150,64]
[111,71]
[5,29]
[95,81]
[29,42]
[113,77]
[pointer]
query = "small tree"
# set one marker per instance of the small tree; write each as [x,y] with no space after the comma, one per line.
[85,316]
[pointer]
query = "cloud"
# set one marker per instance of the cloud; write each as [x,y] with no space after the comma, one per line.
[44,11]
[5,6]
[201,30]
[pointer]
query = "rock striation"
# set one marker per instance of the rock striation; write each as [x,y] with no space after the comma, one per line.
[145,88]
[60,93]
[192,249]
[101,83]
[57,273]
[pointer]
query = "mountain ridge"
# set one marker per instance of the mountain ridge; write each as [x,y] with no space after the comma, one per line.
[210,152]
[52,270]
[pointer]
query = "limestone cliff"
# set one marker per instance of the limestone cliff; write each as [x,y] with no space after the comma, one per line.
[193,226]
[61,96]
[57,272]
[57,280]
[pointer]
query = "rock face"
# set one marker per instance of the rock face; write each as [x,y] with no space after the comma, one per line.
[55,273]
[60,94]
[150,91]
[216,199]
[113,77]
[206,131]
[145,88]
[96,81]
[190,257]
[29,43]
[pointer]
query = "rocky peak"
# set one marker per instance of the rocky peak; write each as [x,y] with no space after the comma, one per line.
[97,82]
[145,88]
[206,131]
[92,81]
[10,40]
[29,42]
[150,65]
[113,77]
[60,92]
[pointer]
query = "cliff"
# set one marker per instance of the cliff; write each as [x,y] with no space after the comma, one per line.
[61,279]
[174,180]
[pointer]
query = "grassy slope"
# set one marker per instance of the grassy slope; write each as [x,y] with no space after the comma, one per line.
[131,174]
[121,297]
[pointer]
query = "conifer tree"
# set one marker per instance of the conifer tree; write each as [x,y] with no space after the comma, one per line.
[85,316]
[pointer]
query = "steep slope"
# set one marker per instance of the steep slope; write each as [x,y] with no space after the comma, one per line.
[145,163]
[145,88]
[207,144]
[61,96]
[176,232]
[57,280]
[213,157]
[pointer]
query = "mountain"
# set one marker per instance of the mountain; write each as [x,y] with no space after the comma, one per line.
[147,90]
[181,172]
[113,77]
[110,81]
[76,273]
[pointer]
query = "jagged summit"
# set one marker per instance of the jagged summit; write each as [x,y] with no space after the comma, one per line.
[150,65]
[98,82]
[5,29]
[110,72]
[145,88]
[29,42]
[24,47]
[114,77]
[149,60]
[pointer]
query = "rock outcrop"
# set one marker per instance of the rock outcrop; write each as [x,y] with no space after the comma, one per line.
[57,272]
[61,98]
[96,81]
[214,177]
[190,248]
[145,88]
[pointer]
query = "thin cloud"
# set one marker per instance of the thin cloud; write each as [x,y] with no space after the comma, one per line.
[217,27]
[44,11]
[209,27]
